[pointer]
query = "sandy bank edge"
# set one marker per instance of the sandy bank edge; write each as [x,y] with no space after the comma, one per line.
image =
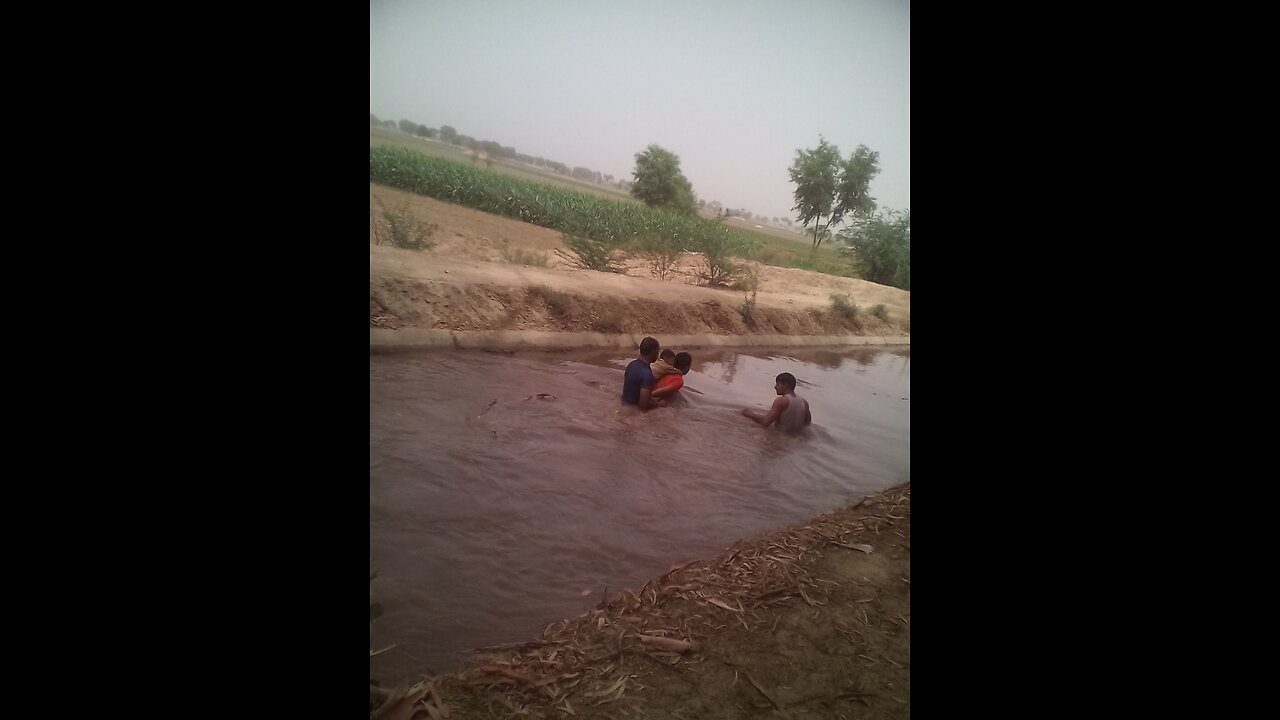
[814,559]
[386,340]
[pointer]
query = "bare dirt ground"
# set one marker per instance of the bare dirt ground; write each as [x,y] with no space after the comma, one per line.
[471,280]
[806,622]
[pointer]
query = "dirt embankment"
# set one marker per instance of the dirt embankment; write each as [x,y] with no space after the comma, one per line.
[474,279]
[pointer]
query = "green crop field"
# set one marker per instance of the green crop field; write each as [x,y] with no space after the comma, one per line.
[387,137]
[569,210]
[785,252]
[441,172]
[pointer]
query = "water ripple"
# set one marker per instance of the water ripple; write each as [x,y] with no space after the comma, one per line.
[503,488]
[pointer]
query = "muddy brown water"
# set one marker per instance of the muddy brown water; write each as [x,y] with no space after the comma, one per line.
[510,491]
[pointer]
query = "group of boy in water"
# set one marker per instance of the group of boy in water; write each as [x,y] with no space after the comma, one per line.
[652,379]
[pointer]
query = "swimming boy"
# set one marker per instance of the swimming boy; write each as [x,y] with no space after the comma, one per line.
[789,410]
[637,381]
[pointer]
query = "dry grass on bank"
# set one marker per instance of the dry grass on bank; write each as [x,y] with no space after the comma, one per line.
[693,639]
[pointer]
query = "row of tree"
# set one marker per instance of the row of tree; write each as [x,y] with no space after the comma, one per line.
[828,186]
[831,186]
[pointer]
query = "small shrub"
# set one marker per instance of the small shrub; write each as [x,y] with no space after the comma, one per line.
[594,254]
[881,312]
[407,231]
[662,266]
[717,272]
[661,250]
[524,257]
[718,248]
[747,280]
[843,308]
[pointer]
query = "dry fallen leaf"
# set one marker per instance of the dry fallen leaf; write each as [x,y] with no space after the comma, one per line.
[663,643]
[617,687]
[720,603]
[400,706]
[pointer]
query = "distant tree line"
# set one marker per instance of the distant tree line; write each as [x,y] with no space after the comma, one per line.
[492,149]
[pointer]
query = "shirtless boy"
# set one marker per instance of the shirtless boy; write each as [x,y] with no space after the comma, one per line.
[789,411]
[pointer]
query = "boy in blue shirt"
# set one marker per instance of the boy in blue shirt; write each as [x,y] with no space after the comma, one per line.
[637,381]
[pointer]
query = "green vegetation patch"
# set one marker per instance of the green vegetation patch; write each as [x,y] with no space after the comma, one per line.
[524,257]
[594,227]
[403,229]
[781,252]
[843,307]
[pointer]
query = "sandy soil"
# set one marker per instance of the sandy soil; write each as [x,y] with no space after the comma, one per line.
[805,622]
[468,282]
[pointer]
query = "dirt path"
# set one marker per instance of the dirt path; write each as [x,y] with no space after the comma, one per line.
[471,281]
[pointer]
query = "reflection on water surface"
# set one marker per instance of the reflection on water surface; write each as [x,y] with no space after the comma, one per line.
[504,486]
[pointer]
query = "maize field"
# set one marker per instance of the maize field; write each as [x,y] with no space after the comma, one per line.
[615,224]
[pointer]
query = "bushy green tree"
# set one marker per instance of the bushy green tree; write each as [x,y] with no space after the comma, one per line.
[660,183]
[881,248]
[828,186]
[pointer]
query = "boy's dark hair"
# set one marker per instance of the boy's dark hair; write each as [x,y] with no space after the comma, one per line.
[648,345]
[667,353]
[684,361]
[787,379]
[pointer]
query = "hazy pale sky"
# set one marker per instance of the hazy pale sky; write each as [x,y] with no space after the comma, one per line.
[733,88]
